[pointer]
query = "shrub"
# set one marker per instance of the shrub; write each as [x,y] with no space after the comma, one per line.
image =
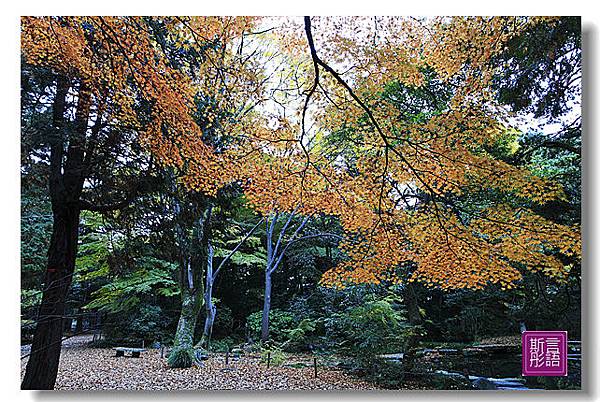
[278,357]
[300,337]
[222,345]
[279,323]
[223,324]
[148,323]
[368,330]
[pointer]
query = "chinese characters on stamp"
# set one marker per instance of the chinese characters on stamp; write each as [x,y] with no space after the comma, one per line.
[544,353]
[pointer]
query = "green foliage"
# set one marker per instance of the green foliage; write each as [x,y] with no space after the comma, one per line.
[360,322]
[36,229]
[30,298]
[277,356]
[256,258]
[147,322]
[224,322]
[370,329]
[417,105]
[505,145]
[540,67]
[280,322]
[304,328]
[123,293]
[222,345]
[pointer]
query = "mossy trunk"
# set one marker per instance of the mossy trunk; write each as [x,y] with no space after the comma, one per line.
[192,268]
[183,354]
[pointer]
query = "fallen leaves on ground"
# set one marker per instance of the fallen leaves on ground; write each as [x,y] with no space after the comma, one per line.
[84,368]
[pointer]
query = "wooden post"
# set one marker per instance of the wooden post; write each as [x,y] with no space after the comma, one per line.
[268,359]
[162,351]
[315,364]
[227,357]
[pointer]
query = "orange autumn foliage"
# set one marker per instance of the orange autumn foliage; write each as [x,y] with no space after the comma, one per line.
[391,197]
[119,59]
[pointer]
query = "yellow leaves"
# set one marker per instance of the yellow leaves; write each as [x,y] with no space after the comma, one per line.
[387,193]
[450,254]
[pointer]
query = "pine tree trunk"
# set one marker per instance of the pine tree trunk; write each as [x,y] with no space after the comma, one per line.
[42,366]
[65,187]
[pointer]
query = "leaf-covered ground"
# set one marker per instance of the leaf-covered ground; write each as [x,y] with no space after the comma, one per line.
[83,368]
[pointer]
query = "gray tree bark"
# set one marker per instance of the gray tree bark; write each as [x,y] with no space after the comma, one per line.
[275,252]
[211,276]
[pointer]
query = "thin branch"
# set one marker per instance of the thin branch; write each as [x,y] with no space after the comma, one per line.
[237,248]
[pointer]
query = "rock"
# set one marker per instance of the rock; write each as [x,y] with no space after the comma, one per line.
[484,383]
[474,352]
[497,349]
[393,356]
[200,354]
[446,351]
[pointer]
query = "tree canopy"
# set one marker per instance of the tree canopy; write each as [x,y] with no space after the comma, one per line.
[394,141]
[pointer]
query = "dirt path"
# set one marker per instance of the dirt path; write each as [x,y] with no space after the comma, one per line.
[72,342]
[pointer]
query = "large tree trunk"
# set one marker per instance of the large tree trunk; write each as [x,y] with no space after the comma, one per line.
[193,266]
[191,303]
[42,366]
[65,187]
[264,330]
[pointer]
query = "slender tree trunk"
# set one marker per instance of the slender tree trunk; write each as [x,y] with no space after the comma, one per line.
[211,275]
[264,330]
[211,313]
[275,253]
[211,309]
